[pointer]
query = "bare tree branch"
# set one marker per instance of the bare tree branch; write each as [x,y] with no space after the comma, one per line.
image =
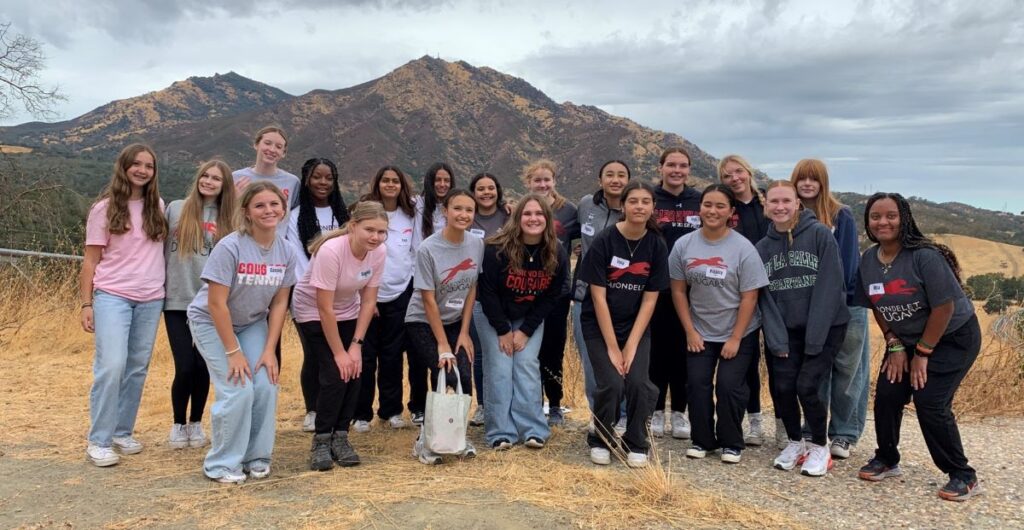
[21,60]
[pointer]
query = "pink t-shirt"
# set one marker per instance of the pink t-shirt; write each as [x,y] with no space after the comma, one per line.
[131,264]
[334,268]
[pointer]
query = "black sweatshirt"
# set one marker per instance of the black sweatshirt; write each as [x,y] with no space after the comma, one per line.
[528,294]
[677,215]
[750,220]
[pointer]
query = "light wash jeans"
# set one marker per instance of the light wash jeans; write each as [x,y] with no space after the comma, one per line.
[125,331]
[851,376]
[589,385]
[512,395]
[243,417]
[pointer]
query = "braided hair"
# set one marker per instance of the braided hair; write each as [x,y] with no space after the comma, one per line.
[309,227]
[910,236]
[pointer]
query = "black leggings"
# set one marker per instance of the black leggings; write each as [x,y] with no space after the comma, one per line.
[423,346]
[552,351]
[191,378]
[336,399]
[668,354]
[309,376]
[797,383]
[382,360]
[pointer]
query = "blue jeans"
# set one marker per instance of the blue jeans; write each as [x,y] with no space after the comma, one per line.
[589,384]
[243,417]
[125,331]
[848,388]
[478,364]
[512,396]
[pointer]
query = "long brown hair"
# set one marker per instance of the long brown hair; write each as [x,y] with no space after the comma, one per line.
[510,238]
[825,206]
[361,211]
[119,190]
[191,233]
[404,200]
[557,200]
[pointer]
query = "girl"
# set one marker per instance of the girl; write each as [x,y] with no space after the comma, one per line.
[236,321]
[846,387]
[804,322]
[270,145]
[625,269]
[677,211]
[196,225]
[716,273]
[524,275]
[122,293]
[321,209]
[490,216]
[912,285]
[437,182]
[749,220]
[539,178]
[596,212]
[385,338]
[437,321]
[333,305]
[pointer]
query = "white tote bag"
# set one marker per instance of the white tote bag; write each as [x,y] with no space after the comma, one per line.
[447,417]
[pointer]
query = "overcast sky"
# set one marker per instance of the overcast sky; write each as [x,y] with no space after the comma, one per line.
[921,97]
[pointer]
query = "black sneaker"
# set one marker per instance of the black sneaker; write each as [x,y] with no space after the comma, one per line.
[501,444]
[320,453]
[555,417]
[342,451]
[876,470]
[958,490]
[534,443]
[417,418]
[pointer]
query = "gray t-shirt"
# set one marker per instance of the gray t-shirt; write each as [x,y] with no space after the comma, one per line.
[182,281]
[253,276]
[288,183]
[485,226]
[716,272]
[904,295]
[448,269]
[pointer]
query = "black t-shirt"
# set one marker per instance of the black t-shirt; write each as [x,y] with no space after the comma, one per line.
[918,280]
[750,220]
[626,275]
[528,294]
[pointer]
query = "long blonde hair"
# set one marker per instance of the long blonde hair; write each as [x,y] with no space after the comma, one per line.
[557,200]
[825,206]
[510,238]
[191,234]
[243,223]
[737,159]
[361,211]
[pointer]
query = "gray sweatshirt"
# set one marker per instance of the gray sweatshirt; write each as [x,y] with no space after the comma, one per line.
[182,279]
[594,215]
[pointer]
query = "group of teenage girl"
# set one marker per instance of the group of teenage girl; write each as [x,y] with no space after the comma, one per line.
[676,295]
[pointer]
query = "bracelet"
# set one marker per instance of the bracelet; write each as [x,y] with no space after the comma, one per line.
[924,352]
[232,352]
[85,305]
[929,347]
[895,348]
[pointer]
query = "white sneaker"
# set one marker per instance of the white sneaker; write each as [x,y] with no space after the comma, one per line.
[196,436]
[680,426]
[591,428]
[620,426]
[818,461]
[791,455]
[636,459]
[230,478]
[731,456]
[259,469]
[309,422]
[101,456]
[127,445]
[696,451]
[178,439]
[781,438]
[424,455]
[658,423]
[600,456]
[396,422]
[361,426]
[840,448]
[478,418]
[754,435]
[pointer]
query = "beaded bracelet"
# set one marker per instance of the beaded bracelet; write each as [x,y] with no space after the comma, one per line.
[929,347]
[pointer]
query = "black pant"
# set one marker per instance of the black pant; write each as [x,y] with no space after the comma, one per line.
[552,351]
[668,354]
[191,378]
[753,377]
[309,376]
[611,387]
[799,375]
[952,359]
[728,388]
[423,346]
[336,399]
[382,360]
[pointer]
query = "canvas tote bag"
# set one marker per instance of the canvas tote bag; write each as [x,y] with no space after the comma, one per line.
[447,417]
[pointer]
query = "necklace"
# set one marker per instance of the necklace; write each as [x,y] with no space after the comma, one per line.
[532,253]
[632,249]
[886,262]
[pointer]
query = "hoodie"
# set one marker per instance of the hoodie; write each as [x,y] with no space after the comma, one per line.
[677,215]
[806,288]
[594,215]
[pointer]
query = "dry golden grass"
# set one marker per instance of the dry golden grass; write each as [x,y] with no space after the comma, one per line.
[14,149]
[981,256]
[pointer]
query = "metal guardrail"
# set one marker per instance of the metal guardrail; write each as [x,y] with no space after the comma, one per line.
[14,253]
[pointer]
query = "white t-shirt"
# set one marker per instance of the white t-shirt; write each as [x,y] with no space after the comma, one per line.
[324,218]
[401,257]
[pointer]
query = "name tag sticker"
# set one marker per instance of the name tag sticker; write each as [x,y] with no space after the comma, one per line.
[717,273]
[363,275]
[404,240]
[693,220]
[876,289]
[619,263]
[455,303]
[587,229]
[275,271]
[477,232]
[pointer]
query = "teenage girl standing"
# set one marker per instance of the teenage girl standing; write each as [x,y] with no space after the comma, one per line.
[196,224]
[625,269]
[333,305]
[122,293]
[716,274]
[236,320]
[270,146]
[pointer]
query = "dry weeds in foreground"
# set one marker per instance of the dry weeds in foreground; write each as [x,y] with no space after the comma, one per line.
[44,389]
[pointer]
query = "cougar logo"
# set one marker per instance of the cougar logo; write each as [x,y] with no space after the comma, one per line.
[897,286]
[524,298]
[465,265]
[716,261]
[210,228]
[640,268]
[407,231]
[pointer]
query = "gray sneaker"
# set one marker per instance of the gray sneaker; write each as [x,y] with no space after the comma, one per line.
[556,417]
[320,453]
[178,439]
[478,418]
[424,455]
[342,451]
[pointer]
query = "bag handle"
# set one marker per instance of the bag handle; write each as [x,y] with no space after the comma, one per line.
[441,380]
